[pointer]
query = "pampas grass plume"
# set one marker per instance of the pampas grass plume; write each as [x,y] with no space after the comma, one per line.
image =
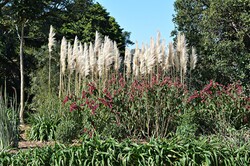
[63,55]
[127,62]
[117,57]
[51,38]
[193,58]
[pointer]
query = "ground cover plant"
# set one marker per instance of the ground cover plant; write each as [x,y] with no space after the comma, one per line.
[97,151]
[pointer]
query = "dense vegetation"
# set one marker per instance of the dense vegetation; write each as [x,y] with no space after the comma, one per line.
[96,151]
[160,104]
[220,32]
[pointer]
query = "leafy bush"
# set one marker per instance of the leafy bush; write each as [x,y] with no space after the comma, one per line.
[219,107]
[142,108]
[66,131]
[159,106]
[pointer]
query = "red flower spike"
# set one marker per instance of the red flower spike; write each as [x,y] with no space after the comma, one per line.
[122,81]
[107,94]
[92,88]
[84,94]
[66,99]
[73,107]
[207,87]
[194,96]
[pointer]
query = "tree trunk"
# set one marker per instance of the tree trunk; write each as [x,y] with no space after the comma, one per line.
[22,75]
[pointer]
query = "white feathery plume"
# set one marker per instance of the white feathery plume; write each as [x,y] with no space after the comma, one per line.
[81,59]
[159,54]
[150,58]
[193,59]
[117,57]
[97,43]
[170,58]
[183,54]
[92,59]
[143,49]
[86,60]
[144,54]
[50,44]
[81,49]
[108,53]
[76,54]
[143,60]
[101,60]
[51,38]
[63,55]
[71,60]
[163,53]
[127,62]
[136,64]
[179,43]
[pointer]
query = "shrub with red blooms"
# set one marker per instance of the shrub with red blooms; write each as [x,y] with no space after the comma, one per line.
[216,103]
[152,107]
[139,107]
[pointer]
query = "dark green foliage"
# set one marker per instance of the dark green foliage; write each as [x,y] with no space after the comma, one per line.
[69,18]
[220,31]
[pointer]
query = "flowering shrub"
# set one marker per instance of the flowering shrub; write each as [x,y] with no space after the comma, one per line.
[217,105]
[154,107]
[141,108]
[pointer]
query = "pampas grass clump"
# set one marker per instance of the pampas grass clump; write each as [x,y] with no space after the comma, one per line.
[100,60]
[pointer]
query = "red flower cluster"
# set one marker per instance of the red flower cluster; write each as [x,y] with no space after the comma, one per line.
[122,81]
[74,106]
[92,105]
[107,103]
[92,88]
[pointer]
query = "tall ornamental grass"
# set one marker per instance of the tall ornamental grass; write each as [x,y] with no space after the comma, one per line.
[100,60]
[8,122]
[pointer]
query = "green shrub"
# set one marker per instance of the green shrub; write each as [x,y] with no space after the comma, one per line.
[66,131]
[217,108]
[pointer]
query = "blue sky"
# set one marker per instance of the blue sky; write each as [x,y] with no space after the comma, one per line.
[143,18]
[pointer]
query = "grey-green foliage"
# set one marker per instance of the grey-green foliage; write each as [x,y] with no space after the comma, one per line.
[8,123]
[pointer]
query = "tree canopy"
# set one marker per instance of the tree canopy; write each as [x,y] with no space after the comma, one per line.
[69,17]
[220,30]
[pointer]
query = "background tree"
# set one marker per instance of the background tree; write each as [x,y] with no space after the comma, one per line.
[19,12]
[220,30]
[94,18]
[69,18]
